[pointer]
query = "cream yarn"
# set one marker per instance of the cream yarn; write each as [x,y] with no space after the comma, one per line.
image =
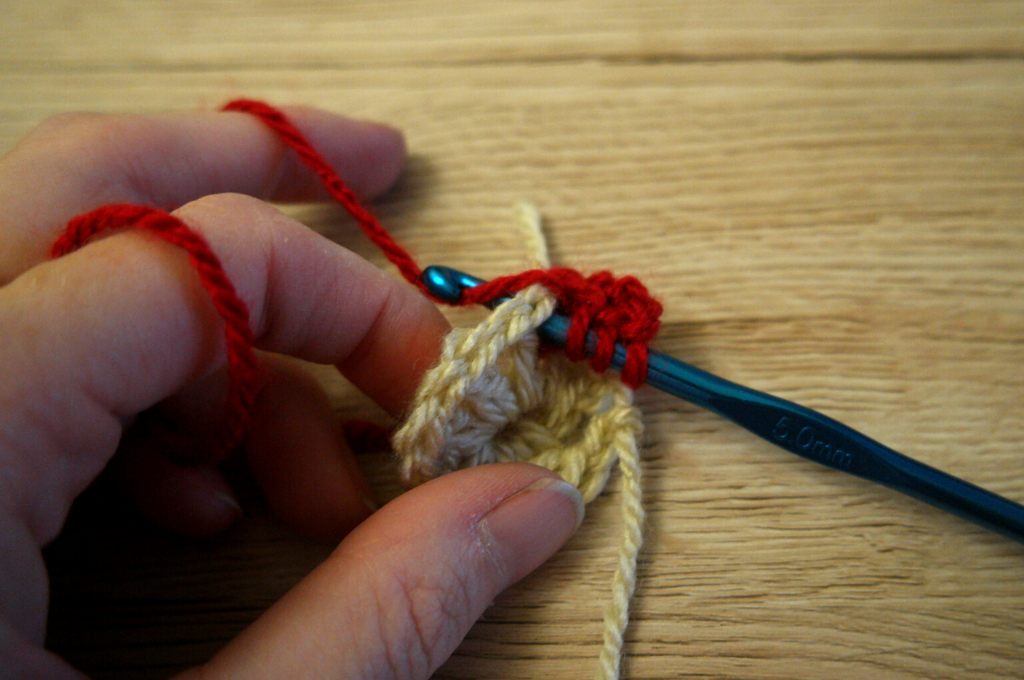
[493,398]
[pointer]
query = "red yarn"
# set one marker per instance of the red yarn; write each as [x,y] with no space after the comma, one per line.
[615,310]
[243,369]
[291,136]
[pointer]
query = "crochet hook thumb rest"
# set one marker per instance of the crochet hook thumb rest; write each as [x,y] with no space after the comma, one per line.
[795,428]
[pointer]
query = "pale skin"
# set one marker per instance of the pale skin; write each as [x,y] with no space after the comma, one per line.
[122,327]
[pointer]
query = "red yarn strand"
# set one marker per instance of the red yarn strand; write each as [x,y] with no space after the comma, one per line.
[243,368]
[615,310]
[373,229]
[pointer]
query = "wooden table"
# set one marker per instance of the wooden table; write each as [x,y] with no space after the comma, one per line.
[828,198]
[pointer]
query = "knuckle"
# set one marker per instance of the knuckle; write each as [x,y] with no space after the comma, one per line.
[245,233]
[105,148]
[65,123]
[424,615]
[82,130]
[218,204]
[239,218]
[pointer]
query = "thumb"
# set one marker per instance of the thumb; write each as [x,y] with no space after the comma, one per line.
[399,594]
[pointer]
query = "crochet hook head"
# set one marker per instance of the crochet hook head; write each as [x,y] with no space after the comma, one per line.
[446,283]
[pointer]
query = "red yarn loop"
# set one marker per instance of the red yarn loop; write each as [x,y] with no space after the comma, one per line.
[243,369]
[615,310]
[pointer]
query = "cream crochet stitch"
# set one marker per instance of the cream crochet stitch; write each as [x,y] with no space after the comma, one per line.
[493,398]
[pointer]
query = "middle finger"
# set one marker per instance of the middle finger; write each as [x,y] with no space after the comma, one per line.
[74,163]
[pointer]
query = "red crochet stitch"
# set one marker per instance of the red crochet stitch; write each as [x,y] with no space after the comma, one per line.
[613,310]
[243,369]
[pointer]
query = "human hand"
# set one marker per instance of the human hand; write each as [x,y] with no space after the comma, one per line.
[122,327]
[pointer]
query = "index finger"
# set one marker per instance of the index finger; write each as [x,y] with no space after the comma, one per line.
[75,163]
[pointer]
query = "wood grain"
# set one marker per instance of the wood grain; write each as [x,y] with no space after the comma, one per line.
[828,198]
[112,35]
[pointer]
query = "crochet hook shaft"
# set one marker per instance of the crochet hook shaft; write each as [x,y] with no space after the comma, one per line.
[795,428]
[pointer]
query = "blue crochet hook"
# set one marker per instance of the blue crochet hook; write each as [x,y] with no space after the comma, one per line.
[795,428]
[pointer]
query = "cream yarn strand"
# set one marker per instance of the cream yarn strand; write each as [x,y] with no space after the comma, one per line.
[493,398]
[530,224]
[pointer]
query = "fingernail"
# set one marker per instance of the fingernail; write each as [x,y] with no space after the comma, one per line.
[564,488]
[529,526]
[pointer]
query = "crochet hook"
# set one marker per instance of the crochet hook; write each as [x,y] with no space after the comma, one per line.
[792,427]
